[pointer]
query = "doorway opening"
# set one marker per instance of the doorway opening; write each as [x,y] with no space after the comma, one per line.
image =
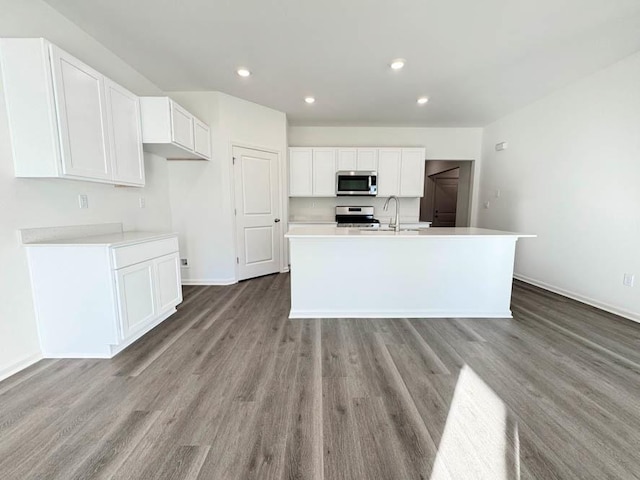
[447,193]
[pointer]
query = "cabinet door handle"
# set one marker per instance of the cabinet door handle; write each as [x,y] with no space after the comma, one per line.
[277,220]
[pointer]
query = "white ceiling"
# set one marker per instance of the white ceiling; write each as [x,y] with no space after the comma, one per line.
[477,60]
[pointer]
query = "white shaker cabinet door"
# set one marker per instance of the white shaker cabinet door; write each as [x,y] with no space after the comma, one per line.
[412,172]
[389,162]
[202,139]
[169,289]
[367,159]
[347,159]
[300,172]
[136,297]
[123,114]
[324,172]
[182,126]
[82,119]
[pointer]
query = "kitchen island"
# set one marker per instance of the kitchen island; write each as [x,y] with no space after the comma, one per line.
[434,272]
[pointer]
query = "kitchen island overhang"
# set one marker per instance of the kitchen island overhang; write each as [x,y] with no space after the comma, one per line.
[430,273]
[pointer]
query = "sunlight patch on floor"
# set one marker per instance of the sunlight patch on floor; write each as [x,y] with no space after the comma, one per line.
[480,438]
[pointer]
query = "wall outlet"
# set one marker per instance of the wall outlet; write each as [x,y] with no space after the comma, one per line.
[184,262]
[629,279]
[142,202]
[83,201]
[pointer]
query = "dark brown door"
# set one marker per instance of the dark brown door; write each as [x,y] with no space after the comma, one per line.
[445,201]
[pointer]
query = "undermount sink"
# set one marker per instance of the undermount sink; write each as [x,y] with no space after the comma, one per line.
[387,229]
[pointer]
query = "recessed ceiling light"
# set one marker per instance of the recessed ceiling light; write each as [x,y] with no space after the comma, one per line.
[423,100]
[309,100]
[243,72]
[398,63]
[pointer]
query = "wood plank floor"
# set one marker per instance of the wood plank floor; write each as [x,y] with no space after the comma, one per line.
[229,388]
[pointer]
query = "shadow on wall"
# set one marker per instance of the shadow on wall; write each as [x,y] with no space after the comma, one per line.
[447,193]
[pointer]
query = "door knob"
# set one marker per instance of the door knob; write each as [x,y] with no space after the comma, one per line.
[277,220]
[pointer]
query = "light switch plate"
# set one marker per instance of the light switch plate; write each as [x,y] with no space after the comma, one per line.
[629,280]
[83,201]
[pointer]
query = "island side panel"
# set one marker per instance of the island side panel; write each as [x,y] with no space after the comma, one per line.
[387,277]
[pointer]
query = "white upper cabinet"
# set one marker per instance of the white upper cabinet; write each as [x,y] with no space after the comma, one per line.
[65,119]
[125,133]
[357,159]
[324,172]
[367,159]
[170,131]
[412,172]
[389,161]
[400,171]
[202,139]
[300,172]
[182,126]
[347,159]
[82,117]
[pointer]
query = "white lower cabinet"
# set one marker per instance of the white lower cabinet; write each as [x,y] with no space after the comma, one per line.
[137,299]
[168,290]
[94,299]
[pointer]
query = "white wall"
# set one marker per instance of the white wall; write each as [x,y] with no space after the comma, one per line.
[571,175]
[202,192]
[440,143]
[39,202]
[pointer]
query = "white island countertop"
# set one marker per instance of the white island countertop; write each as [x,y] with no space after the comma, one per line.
[115,239]
[339,272]
[326,231]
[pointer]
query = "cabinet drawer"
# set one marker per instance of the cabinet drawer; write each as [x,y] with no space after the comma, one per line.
[131,254]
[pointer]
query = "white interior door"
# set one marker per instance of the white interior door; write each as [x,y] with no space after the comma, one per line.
[258,225]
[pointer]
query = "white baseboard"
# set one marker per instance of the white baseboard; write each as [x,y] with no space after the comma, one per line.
[300,314]
[14,368]
[580,298]
[209,281]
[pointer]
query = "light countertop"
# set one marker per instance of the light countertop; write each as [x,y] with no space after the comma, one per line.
[322,231]
[108,240]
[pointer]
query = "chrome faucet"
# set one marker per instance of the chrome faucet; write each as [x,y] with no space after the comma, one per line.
[395,224]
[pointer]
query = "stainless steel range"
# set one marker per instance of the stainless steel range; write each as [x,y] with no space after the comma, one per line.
[356,217]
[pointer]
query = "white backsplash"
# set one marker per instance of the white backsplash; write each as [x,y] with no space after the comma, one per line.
[320,208]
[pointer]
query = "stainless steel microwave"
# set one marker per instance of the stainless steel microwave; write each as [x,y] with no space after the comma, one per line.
[354,183]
